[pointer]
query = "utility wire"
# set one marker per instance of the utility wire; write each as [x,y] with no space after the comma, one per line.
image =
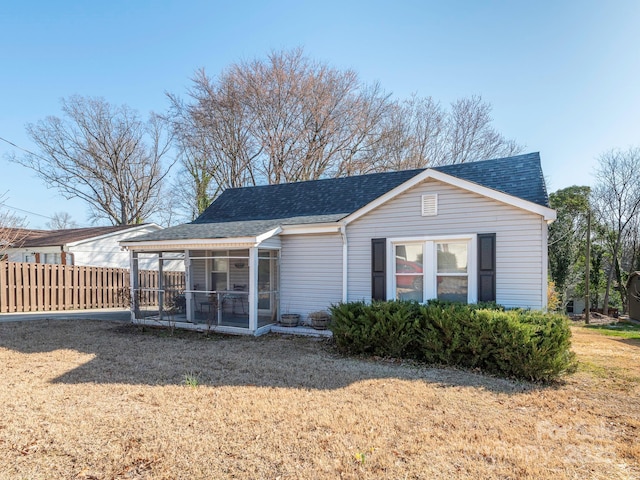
[16,208]
[19,147]
[25,211]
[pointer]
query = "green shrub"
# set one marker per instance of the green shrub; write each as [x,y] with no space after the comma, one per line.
[382,328]
[523,344]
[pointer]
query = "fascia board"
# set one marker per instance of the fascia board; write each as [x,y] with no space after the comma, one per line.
[186,243]
[310,228]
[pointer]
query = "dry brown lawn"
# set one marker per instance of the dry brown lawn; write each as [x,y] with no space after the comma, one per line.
[99,400]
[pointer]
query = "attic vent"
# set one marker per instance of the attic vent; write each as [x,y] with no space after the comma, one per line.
[430,205]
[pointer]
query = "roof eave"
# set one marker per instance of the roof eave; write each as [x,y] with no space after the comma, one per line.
[188,243]
[311,228]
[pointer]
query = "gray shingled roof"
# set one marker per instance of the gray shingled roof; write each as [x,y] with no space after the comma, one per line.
[519,176]
[250,211]
[248,228]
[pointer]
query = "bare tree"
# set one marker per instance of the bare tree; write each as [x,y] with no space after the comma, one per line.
[419,132]
[308,117]
[287,118]
[12,227]
[616,198]
[282,119]
[61,221]
[470,134]
[103,154]
[212,132]
[413,135]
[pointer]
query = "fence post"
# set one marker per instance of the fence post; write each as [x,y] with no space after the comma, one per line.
[4,294]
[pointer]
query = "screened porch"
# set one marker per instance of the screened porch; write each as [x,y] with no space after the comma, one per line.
[225,290]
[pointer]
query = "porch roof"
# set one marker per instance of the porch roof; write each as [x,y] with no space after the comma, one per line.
[250,229]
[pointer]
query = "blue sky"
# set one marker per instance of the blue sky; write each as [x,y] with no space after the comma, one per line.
[562,76]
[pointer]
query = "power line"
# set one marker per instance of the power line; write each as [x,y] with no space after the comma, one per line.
[20,148]
[25,211]
[16,208]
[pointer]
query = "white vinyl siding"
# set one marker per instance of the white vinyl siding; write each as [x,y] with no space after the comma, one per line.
[239,269]
[311,273]
[106,251]
[520,238]
[198,270]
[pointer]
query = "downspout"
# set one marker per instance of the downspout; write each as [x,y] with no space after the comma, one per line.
[345,262]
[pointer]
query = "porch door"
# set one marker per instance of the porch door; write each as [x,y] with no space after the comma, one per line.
[267,281]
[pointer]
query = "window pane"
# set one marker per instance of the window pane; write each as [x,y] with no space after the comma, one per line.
[220,265]
[52,258]
[409,287]
[452,257]
[409,258]
[409,275]
[452,289]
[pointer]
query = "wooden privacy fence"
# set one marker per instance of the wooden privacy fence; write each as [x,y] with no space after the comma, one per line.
[39,287]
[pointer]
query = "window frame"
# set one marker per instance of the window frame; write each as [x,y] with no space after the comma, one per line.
[430,259]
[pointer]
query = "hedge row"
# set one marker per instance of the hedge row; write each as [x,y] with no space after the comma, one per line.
[522,344]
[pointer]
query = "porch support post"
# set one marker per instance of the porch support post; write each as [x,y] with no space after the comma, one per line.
[188,286]
[160,286]
[133,283]
[253,289]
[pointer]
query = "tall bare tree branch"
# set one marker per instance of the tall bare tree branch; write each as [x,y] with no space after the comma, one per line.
[287,118]
[103,154]
[616,198]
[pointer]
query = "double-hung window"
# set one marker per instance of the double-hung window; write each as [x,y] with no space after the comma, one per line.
[442,268]
[452,271]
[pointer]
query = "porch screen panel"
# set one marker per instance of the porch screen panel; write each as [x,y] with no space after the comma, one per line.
[220,272]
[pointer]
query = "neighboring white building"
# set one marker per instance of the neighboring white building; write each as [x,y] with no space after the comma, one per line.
[469,232]
[92,246]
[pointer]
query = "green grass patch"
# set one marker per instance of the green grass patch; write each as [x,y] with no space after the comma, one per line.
[619,329]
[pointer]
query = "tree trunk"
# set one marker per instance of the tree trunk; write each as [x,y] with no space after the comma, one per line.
[614,260]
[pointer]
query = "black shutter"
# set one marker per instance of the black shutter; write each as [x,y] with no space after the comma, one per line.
[378,269]
[487,267]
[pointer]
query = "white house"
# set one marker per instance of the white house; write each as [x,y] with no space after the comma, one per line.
[469,232]
[92,246]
